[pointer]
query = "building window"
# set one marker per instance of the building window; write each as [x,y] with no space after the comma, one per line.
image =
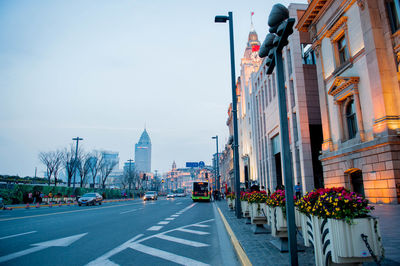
[351,119]
[289,60]
[393,9]
[307,54]
[342,50]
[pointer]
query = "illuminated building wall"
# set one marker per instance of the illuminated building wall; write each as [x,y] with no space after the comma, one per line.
[303,115]
[357,50]
[143,154]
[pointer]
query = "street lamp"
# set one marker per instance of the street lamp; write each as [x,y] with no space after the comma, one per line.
[217,165]
[223,19]
[281,26]
[76,158]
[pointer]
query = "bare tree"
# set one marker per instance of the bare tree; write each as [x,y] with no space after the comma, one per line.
[58,157]
[84,160]
[106,167]
[124,180]
[51,161]
[95,162]
[69,163]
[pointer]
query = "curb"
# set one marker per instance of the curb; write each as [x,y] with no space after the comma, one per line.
[33,206]
[244,260]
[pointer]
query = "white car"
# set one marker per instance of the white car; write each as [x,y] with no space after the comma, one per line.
[150,195]
[170,195]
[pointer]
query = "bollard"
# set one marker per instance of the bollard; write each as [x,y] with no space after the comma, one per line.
[27,206]
[59,204]
[50,204]
[37,205]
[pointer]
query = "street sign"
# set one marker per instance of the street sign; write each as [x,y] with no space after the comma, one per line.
[192,164]
[202,164]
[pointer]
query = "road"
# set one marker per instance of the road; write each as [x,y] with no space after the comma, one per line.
[163,232]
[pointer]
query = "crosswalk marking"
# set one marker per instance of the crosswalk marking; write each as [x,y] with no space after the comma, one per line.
[174,215]
[201,225]
[166,255]
[193,231]
[164,222]
[182,241]
[154,228]
[170,219]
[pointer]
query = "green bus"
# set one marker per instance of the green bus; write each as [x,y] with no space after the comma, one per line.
[201,191]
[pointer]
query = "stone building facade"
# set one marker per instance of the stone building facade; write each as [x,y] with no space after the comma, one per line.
[249,64]
[302,111]
[356,44]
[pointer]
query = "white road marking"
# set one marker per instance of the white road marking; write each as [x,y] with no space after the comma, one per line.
[174,215]
[163,222]
[183,241]
[128,211]
[170,219]
[5,237]
[103,260]
[179,203]
[154,228]
[201,225]
[166,255]
[61,242]
[193,231]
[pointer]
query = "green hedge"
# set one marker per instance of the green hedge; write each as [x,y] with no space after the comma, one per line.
[16,194]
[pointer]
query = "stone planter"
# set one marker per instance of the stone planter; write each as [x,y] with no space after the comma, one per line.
[278,222]
[297,218]
[230,203]
[256,213]
[338,242]
[306,228]
[245,208]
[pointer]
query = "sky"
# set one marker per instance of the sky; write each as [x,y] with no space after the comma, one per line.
[104,70]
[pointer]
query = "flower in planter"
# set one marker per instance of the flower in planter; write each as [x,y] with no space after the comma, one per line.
[337,203]
[231,196]
[244,196]
[257,197]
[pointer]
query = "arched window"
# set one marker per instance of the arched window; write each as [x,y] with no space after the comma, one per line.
[351,119]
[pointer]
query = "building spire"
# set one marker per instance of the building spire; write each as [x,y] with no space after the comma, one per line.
[251,19]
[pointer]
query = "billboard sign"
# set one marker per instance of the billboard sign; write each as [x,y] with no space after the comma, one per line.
[192,164]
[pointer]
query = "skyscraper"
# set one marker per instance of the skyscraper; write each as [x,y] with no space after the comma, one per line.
[143,153]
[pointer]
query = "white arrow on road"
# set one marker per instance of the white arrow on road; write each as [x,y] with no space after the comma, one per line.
[61,242]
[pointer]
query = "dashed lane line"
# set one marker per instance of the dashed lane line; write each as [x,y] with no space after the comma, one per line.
[155,228]
[5,237]
[128,211]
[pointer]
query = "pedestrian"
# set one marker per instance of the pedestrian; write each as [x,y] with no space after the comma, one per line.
[30,197]
[297,189]
[255,187]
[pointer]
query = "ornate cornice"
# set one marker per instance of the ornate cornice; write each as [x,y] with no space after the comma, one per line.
[341,83]
[312,12]
[342,21]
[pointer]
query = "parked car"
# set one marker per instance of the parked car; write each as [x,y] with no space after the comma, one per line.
[90,199]
[150,195]
[170,195]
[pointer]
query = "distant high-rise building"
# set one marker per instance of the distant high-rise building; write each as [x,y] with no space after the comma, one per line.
[143,153]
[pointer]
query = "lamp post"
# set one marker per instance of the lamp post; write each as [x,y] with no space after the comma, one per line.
[223,19]
[217,165]
[280,27]
[76,157]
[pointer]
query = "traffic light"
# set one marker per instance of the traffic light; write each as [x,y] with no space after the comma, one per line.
[144,177]
[206,174]
[162,180]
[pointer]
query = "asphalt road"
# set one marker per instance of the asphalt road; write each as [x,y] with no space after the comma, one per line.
[162,232]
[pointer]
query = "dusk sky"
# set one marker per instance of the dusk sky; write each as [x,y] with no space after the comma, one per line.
[102,70]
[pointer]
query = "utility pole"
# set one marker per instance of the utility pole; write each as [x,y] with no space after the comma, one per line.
[76,157]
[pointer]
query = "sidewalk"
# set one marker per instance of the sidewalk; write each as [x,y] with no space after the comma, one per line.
[258,248]
[260,251]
